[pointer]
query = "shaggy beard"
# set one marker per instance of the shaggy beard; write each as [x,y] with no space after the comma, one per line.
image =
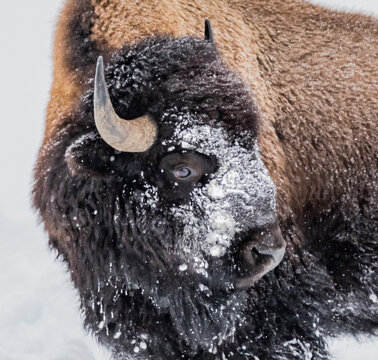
[203,314]
[205,320]
[204,311]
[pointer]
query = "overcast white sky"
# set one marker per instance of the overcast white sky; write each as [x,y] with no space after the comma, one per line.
[38,307]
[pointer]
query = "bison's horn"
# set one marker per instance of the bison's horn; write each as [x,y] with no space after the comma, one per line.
[208,32]
[136,135]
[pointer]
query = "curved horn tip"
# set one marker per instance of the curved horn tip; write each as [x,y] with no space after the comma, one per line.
[100,61]
[99,67]
[101,88]
[208,31]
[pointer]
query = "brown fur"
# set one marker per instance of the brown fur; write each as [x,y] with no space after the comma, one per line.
[313,72]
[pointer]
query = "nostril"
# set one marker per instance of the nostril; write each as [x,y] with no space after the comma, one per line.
[249,257]
[255,252]
[253,258]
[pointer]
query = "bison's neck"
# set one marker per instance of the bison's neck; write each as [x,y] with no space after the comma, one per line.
[318,67]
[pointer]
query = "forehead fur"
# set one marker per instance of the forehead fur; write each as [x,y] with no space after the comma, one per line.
[187,74]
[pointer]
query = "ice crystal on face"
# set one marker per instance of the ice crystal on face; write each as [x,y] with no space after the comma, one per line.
[239,196]
[183,267]
[101,325]
[373,298]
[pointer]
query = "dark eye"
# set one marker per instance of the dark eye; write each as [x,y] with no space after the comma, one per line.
[184,172]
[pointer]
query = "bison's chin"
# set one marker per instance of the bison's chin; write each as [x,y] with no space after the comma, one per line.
[205,311]
[205,319]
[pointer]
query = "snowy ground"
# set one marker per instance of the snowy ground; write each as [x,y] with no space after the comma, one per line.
[38,307]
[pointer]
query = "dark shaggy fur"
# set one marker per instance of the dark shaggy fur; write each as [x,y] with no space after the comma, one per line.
[81,51]
[118,248]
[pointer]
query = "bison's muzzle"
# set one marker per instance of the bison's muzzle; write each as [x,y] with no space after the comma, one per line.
[261,254]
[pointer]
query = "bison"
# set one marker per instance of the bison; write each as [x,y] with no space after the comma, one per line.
[214,197]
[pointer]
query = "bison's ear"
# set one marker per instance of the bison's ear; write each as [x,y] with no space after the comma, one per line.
[208,32]
[90,156]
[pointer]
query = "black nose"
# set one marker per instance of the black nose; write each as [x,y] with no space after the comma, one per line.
[261,254]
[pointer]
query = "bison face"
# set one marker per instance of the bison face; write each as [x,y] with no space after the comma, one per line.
[226,195]
[180,230]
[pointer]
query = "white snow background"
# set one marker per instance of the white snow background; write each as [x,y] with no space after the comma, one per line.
[39,317]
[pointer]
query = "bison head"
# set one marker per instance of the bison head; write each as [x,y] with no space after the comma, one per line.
[168,217]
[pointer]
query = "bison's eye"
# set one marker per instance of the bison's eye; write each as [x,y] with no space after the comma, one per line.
[183,172]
